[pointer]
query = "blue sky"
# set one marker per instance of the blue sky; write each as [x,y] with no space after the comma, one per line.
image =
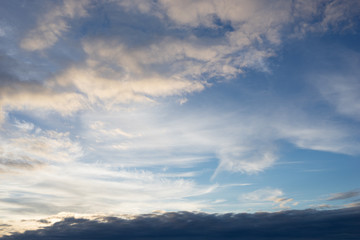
[130,107]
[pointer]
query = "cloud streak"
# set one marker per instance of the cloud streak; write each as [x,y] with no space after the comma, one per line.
[39,146]
[344,195]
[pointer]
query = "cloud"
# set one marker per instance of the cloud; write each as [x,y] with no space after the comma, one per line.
[266,194]
[325,16]
[283,201]
[323,206]
[25,96]
[261,196]
[344,195]
[243,141]
[354,204]
[75,186]
[341,15]
[50,146]
[21,95]
[320,135]
[53,25]
[24,126]
[248,17]
[244,35]
[11,165]
[155,135]
[130,134]
[120,70]
[252,22]
[342,92]
[245,160]
[112,91]
[303,224]
[31,148]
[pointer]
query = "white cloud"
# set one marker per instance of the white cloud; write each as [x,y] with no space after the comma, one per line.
[253,20]
[53,25]
[112,91]
[49,146]
[34,96]
[253,13]
[343,92]
[183,61]
[172,65]
[100,127]
[266,194]
[37,148]
[243,141]
[115,73]
[273,195]
[24,126]
[182,101]
[321,136]
[91,188]
[245,160]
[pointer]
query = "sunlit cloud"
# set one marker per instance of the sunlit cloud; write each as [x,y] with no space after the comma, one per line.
[28,96]
[267,195]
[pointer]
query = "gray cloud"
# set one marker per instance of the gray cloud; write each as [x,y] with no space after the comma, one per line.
[304,224]
[354,204]
[344,195]
[31,205]
[23,162]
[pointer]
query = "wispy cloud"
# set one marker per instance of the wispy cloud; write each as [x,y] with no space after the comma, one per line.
[32,147]
[111,91]
[322,16]
[344,195]
[352,205]
[93,189]
[342,92]
[274,195]
[53,25]
[28,96]
[12,165]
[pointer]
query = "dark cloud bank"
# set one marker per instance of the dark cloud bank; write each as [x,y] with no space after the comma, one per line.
[301,224]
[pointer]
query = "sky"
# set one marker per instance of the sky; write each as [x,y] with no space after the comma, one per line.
[113,109]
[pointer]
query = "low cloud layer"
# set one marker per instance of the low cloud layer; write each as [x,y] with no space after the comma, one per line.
[304,224]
